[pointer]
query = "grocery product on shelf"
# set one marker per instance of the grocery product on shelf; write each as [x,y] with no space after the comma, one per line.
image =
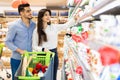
[95,47]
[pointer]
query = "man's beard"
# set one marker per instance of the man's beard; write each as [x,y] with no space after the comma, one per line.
[30,18]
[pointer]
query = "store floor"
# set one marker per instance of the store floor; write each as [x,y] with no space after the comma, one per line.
[4,75]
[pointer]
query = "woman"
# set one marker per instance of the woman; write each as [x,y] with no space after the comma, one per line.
[45,35]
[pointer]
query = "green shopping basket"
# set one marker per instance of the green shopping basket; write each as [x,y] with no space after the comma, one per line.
[42,57]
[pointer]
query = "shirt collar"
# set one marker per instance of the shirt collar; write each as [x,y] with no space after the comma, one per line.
[21,22]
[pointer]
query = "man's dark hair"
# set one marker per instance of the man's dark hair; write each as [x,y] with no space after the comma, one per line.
[21,7]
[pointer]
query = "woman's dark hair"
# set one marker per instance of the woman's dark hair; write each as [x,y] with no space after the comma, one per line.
[41,34]
[21,7]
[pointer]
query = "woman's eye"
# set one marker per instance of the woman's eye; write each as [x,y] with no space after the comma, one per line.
[46,15]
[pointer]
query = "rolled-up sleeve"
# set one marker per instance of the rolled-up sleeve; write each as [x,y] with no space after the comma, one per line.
[10,37]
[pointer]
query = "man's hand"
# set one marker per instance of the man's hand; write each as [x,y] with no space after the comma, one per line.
[20,51]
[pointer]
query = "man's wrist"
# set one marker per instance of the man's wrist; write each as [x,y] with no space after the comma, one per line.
[20,51]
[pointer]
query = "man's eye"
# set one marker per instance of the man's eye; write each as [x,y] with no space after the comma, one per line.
[28,11]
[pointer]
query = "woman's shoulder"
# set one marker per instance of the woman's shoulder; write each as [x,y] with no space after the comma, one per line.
[52,26]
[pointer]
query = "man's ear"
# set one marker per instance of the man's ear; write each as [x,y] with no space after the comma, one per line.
[21,13]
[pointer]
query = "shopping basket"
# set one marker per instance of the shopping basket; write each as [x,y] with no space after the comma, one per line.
[43,57]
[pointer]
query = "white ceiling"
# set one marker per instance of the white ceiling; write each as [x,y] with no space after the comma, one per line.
[37,2]
[35,5]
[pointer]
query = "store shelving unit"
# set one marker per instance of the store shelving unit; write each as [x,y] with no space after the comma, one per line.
[63,77]
[110,7]
[104,7]
[99,9]
[76,58]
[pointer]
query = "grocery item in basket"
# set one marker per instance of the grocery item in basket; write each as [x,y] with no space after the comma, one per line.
[35,71]
[40,74]
[29,72]
[38,66]
[44,68]
[24,66]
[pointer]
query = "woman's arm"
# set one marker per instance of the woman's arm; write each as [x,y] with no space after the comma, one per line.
[66,25]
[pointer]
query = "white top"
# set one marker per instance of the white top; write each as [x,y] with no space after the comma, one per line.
[52,35]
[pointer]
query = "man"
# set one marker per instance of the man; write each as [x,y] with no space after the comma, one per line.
[19,36]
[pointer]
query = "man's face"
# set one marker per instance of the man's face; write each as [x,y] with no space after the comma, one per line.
[27,13]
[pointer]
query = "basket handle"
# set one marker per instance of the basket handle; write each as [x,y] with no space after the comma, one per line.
[27,54]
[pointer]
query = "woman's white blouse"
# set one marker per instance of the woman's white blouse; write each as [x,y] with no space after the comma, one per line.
[52,34]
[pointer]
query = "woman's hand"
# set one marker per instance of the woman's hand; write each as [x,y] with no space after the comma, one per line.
[46,50]
[76,17]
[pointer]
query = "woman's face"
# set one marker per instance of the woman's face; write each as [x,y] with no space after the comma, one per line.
[46,17]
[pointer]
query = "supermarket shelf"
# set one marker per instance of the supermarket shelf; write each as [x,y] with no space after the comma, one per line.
[72,70]
[105,7]
[80,4]
[86,72]
[111,8]
[76,7]
[63,77]
[71,67]
[74,62]
[98,44]
[88,75]
[114,10]
[98,9]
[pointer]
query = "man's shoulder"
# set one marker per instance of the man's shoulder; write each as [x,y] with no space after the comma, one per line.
[13,24]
